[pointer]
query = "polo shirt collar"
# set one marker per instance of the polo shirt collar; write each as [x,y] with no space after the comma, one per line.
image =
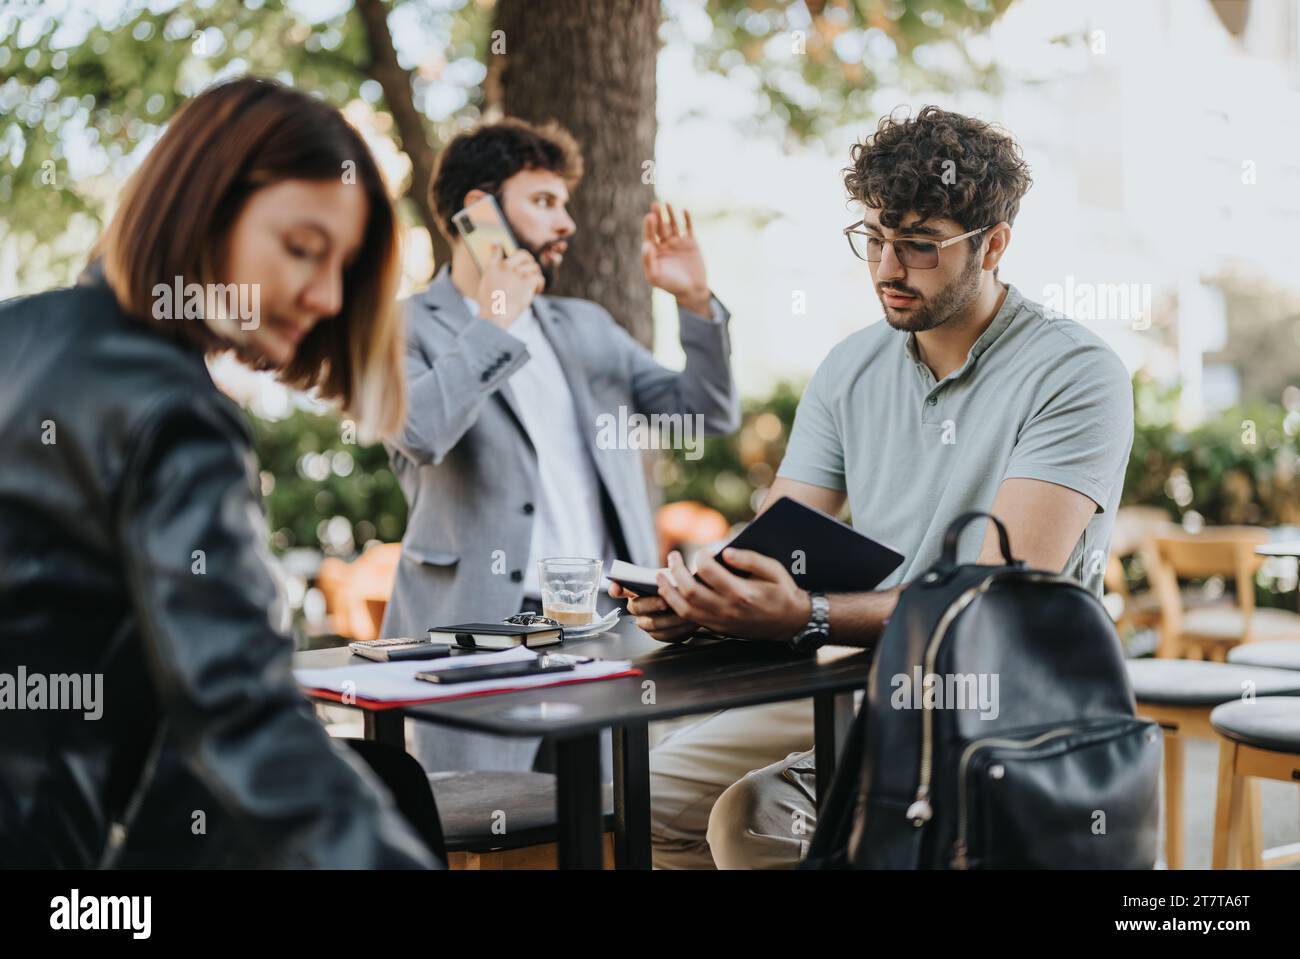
[1010,307]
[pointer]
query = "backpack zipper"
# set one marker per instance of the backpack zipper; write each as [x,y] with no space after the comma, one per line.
[920,811]
[959,848]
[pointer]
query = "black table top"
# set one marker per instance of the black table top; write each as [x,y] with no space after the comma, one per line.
[688,679]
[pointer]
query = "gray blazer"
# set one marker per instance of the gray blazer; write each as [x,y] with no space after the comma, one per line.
[469,471]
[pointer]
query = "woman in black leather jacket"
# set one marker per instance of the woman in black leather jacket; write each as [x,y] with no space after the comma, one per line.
[145,696]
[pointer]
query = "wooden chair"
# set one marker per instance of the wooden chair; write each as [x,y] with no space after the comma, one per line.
[1181,695]
[356,594]
[505,820]
[478,820]
[409,785]
[1258,739]
[1208,632]
[1135,527]
[686,524]
[1136,524]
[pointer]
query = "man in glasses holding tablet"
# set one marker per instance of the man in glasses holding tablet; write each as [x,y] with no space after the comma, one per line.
[968,397]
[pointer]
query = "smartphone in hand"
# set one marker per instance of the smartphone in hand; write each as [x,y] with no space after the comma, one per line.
[482,226]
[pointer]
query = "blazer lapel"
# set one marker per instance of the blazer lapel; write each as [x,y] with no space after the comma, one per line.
[448,308]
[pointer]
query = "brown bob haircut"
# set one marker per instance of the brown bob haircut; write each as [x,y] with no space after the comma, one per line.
[178,209]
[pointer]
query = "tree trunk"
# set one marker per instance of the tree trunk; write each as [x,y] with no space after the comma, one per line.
[590,64]
[411,131]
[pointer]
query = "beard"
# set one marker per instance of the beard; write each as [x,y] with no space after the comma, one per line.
[549,270]
[950,301]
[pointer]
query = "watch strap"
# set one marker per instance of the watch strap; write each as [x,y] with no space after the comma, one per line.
[818,630]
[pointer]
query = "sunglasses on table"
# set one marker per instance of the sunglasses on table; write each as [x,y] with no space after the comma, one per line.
[913,254]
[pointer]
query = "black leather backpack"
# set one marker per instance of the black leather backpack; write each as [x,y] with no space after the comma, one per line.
[998,731]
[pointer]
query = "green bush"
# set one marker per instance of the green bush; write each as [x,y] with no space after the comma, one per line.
[323,492]
[734,468]
[1239,467]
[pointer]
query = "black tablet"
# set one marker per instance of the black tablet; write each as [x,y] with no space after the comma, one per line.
[821,553]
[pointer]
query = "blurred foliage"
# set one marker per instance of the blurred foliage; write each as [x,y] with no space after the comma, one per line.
[95,92]
[80,96]
[735,471]
[1238,467]
[817,63]
[322,492]
[1241,466]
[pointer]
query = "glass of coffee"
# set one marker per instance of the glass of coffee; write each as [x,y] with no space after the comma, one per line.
[569,587]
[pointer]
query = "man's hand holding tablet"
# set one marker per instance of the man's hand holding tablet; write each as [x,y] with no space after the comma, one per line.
[748,592]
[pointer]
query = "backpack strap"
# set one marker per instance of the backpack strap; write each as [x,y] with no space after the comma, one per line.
[948,559]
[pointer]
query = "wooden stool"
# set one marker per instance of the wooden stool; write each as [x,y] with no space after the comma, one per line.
[1180,695]
[1259,739]
[1275,654]
[504,820]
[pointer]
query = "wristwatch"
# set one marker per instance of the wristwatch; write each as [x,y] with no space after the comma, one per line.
[818,631]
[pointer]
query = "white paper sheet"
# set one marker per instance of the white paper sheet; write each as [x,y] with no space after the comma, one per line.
[396,682]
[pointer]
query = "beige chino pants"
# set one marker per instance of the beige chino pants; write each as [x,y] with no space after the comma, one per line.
[734,789]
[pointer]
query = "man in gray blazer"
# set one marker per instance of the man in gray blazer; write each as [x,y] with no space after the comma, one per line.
[508,454]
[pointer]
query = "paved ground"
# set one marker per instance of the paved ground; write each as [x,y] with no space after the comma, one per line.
[1279,801]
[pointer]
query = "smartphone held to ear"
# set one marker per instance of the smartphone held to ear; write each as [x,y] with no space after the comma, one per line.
[482,226]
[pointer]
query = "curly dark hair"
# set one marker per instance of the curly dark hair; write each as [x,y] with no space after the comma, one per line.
[487,156]
[901,168]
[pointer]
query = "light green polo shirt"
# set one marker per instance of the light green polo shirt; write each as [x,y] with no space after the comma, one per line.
[1039,396]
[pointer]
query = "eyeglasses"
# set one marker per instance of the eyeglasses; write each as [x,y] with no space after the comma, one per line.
[913,254]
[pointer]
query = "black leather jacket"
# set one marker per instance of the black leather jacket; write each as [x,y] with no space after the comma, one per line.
[119,459]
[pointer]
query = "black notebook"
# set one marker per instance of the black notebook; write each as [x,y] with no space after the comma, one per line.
[491,636]
[821,553]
